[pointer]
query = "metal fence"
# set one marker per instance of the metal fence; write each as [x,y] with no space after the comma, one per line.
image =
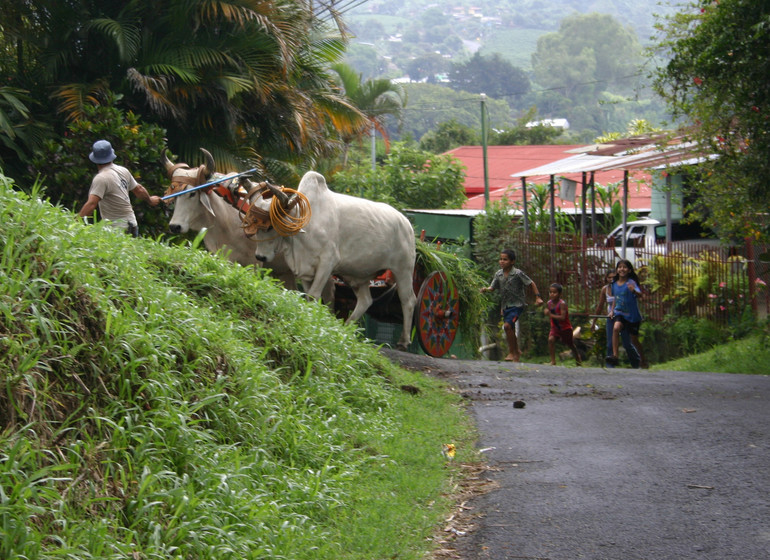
[691,279]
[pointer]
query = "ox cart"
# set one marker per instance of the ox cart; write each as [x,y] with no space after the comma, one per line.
[262,209]
[436,314]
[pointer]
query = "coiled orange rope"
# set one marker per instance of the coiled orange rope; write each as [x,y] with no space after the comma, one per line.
[283,222]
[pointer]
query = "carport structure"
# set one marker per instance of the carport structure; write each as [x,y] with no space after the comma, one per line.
[656,152]
[651,153]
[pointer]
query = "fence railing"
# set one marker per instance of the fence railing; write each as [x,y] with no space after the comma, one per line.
[692,279]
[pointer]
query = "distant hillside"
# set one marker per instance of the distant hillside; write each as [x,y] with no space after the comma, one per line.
[528,14]
[509,27]
[424,41]
[515,45]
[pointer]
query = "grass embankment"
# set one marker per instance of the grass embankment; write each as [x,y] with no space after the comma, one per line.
[748,355]
[158,402]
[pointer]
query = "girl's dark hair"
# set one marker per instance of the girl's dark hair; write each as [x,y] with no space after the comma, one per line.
[558,287]
[511,254]
[632,275]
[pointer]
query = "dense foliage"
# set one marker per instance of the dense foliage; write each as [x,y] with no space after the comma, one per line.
[586,66]
[589,65]
[64,167]
[159,402]
[716,81]
[492,75]
[408,178]
[430,104]
[249,80]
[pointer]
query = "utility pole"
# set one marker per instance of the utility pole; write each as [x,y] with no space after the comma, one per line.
[484,147]
[374,148]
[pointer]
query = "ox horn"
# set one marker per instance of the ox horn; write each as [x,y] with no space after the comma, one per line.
[167,163]
[209,166]
[282,196]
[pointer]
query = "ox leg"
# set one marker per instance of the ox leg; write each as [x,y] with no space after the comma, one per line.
[363,301]
[327,294]
[408,301]
[288,280]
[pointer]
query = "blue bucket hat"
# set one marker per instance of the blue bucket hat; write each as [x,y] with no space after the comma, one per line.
[102,152]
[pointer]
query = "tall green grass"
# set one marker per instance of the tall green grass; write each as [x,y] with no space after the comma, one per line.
[748,355]
[157,402]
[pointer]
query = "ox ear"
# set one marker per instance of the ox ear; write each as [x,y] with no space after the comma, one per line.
[210,167]
[207,203]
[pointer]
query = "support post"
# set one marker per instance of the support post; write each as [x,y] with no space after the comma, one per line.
[484,147]
[524,204]
[625,212]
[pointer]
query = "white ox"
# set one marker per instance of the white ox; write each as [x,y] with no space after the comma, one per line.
[222,221]
[350,237]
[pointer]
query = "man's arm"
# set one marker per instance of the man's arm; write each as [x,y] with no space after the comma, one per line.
[89,206]
[142,194]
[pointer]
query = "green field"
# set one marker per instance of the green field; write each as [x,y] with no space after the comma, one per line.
[515,45]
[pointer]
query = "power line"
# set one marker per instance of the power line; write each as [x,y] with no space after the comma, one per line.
[475,98]
[343,7]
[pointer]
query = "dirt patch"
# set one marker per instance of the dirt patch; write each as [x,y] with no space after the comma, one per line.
[472,482]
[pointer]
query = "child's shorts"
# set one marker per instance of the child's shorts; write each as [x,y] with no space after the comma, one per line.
[511,314]
[633,328]
[565,335]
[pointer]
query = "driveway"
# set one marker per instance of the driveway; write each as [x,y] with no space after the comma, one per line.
[614,464]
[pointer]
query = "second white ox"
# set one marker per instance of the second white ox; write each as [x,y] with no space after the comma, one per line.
[351,237]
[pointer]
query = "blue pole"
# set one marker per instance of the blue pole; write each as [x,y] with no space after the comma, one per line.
[199,187]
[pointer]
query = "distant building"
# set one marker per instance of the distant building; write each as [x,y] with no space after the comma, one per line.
[555,123]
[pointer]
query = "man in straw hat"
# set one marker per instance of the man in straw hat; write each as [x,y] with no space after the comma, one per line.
[109,190]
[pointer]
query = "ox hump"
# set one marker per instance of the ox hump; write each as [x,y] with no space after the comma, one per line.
[312,181]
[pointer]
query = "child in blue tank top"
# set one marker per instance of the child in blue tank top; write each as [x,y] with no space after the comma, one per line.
[625,308]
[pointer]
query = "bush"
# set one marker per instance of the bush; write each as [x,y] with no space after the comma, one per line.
[64,167]
[676,337]
[409,178]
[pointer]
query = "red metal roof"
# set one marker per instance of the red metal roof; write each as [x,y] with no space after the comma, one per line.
[503,162]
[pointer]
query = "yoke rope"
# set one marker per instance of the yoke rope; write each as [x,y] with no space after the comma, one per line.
[283,222]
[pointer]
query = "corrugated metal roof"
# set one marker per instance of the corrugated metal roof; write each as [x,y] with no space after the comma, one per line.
[572,164]
[608,162]
[502,161]
[626,154]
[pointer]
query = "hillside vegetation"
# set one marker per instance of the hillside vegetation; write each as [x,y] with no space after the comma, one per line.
[159,402]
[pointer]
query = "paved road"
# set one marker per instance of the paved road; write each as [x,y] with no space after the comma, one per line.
[616,464]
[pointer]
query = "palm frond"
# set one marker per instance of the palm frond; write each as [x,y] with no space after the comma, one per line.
[72,98]
[125,36]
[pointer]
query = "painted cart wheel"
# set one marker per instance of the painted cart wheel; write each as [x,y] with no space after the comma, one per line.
[437,314]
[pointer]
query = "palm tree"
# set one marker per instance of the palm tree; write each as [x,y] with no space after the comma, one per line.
[249,80]
[376,99]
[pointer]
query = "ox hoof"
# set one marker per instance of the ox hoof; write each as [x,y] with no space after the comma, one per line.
[402,347]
